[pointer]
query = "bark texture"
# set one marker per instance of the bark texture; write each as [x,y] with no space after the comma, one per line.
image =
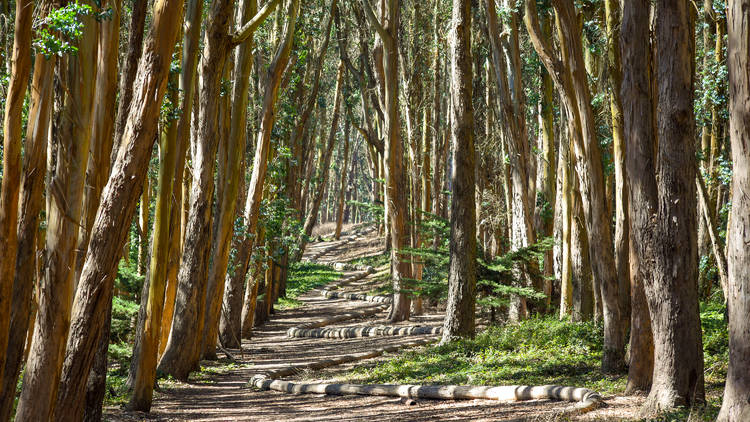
[67,170]
[736,403]
[462,275]
[11,183]
[118,206]
[663,197]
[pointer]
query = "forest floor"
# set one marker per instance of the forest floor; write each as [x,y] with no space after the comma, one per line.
[220,391]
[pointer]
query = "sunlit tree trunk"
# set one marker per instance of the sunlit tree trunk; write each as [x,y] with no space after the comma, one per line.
[182,352]
[234,172]
[621,243]
[11,183]
[735,405]
[129,70]
[147,345]
[65,194]
[32,189]
[188,86]
[512,118]
[394,157]
[97,173]
[325,163]
[263,146]
[342,185]
[116,208]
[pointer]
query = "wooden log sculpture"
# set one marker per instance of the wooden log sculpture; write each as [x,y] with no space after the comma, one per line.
[338,318]
[357,296]
[355,332]
[585,399]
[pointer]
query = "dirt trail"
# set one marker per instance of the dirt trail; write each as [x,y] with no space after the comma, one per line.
[224,396]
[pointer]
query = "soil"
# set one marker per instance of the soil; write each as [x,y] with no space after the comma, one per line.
[220,391]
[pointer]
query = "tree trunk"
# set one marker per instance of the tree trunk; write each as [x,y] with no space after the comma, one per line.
[182,352]
[129,70]
[663,198]
[263,146]
[32,185]
[395,177]
[188,86]
[117,207]
[570,79]
[96,177]
[234,173]
[512,117]
[641,365]
[462,276]
[11,183]
[102,130]
[342,185]
[251,292]
[735,406]
[580,268]
[325,162]
[143,225]
[621,243]
[145,357]
[65,191]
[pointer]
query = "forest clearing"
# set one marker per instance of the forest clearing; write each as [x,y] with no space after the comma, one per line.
[375,209]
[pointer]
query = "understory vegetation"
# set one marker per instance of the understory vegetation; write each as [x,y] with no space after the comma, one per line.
[541,350]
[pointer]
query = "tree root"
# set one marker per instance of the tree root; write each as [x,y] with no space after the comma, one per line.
[357,296]
[585,399]
[354,332]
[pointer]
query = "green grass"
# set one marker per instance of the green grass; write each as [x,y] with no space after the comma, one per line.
[538,351]
[304,277]
[375,261]
[542,350]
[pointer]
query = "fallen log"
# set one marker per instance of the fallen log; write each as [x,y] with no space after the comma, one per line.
[584,398]
[355,332]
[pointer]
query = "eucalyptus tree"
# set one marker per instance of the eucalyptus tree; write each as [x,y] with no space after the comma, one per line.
[735,406]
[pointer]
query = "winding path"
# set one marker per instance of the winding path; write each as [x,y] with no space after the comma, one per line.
[226,395]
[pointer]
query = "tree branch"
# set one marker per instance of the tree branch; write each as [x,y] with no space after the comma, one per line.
[531,19]
[248,29]
[374,21]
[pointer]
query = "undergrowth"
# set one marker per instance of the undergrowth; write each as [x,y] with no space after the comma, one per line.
[543,350]
[304,277]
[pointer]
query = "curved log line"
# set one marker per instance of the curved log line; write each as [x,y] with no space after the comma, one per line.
[338,318]
[356,332]
[585,399]
[357,296]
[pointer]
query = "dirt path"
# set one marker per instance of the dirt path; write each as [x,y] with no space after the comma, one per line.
[222,394]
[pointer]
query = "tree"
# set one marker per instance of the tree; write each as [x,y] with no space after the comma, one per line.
[70,148]
[570,79]
[21,67]
[32,189]
[117,206]
[182,352]
[663,198]
[396,207]
[325,163]
[235,171]
[514,137]
[462,276]
[735,406]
